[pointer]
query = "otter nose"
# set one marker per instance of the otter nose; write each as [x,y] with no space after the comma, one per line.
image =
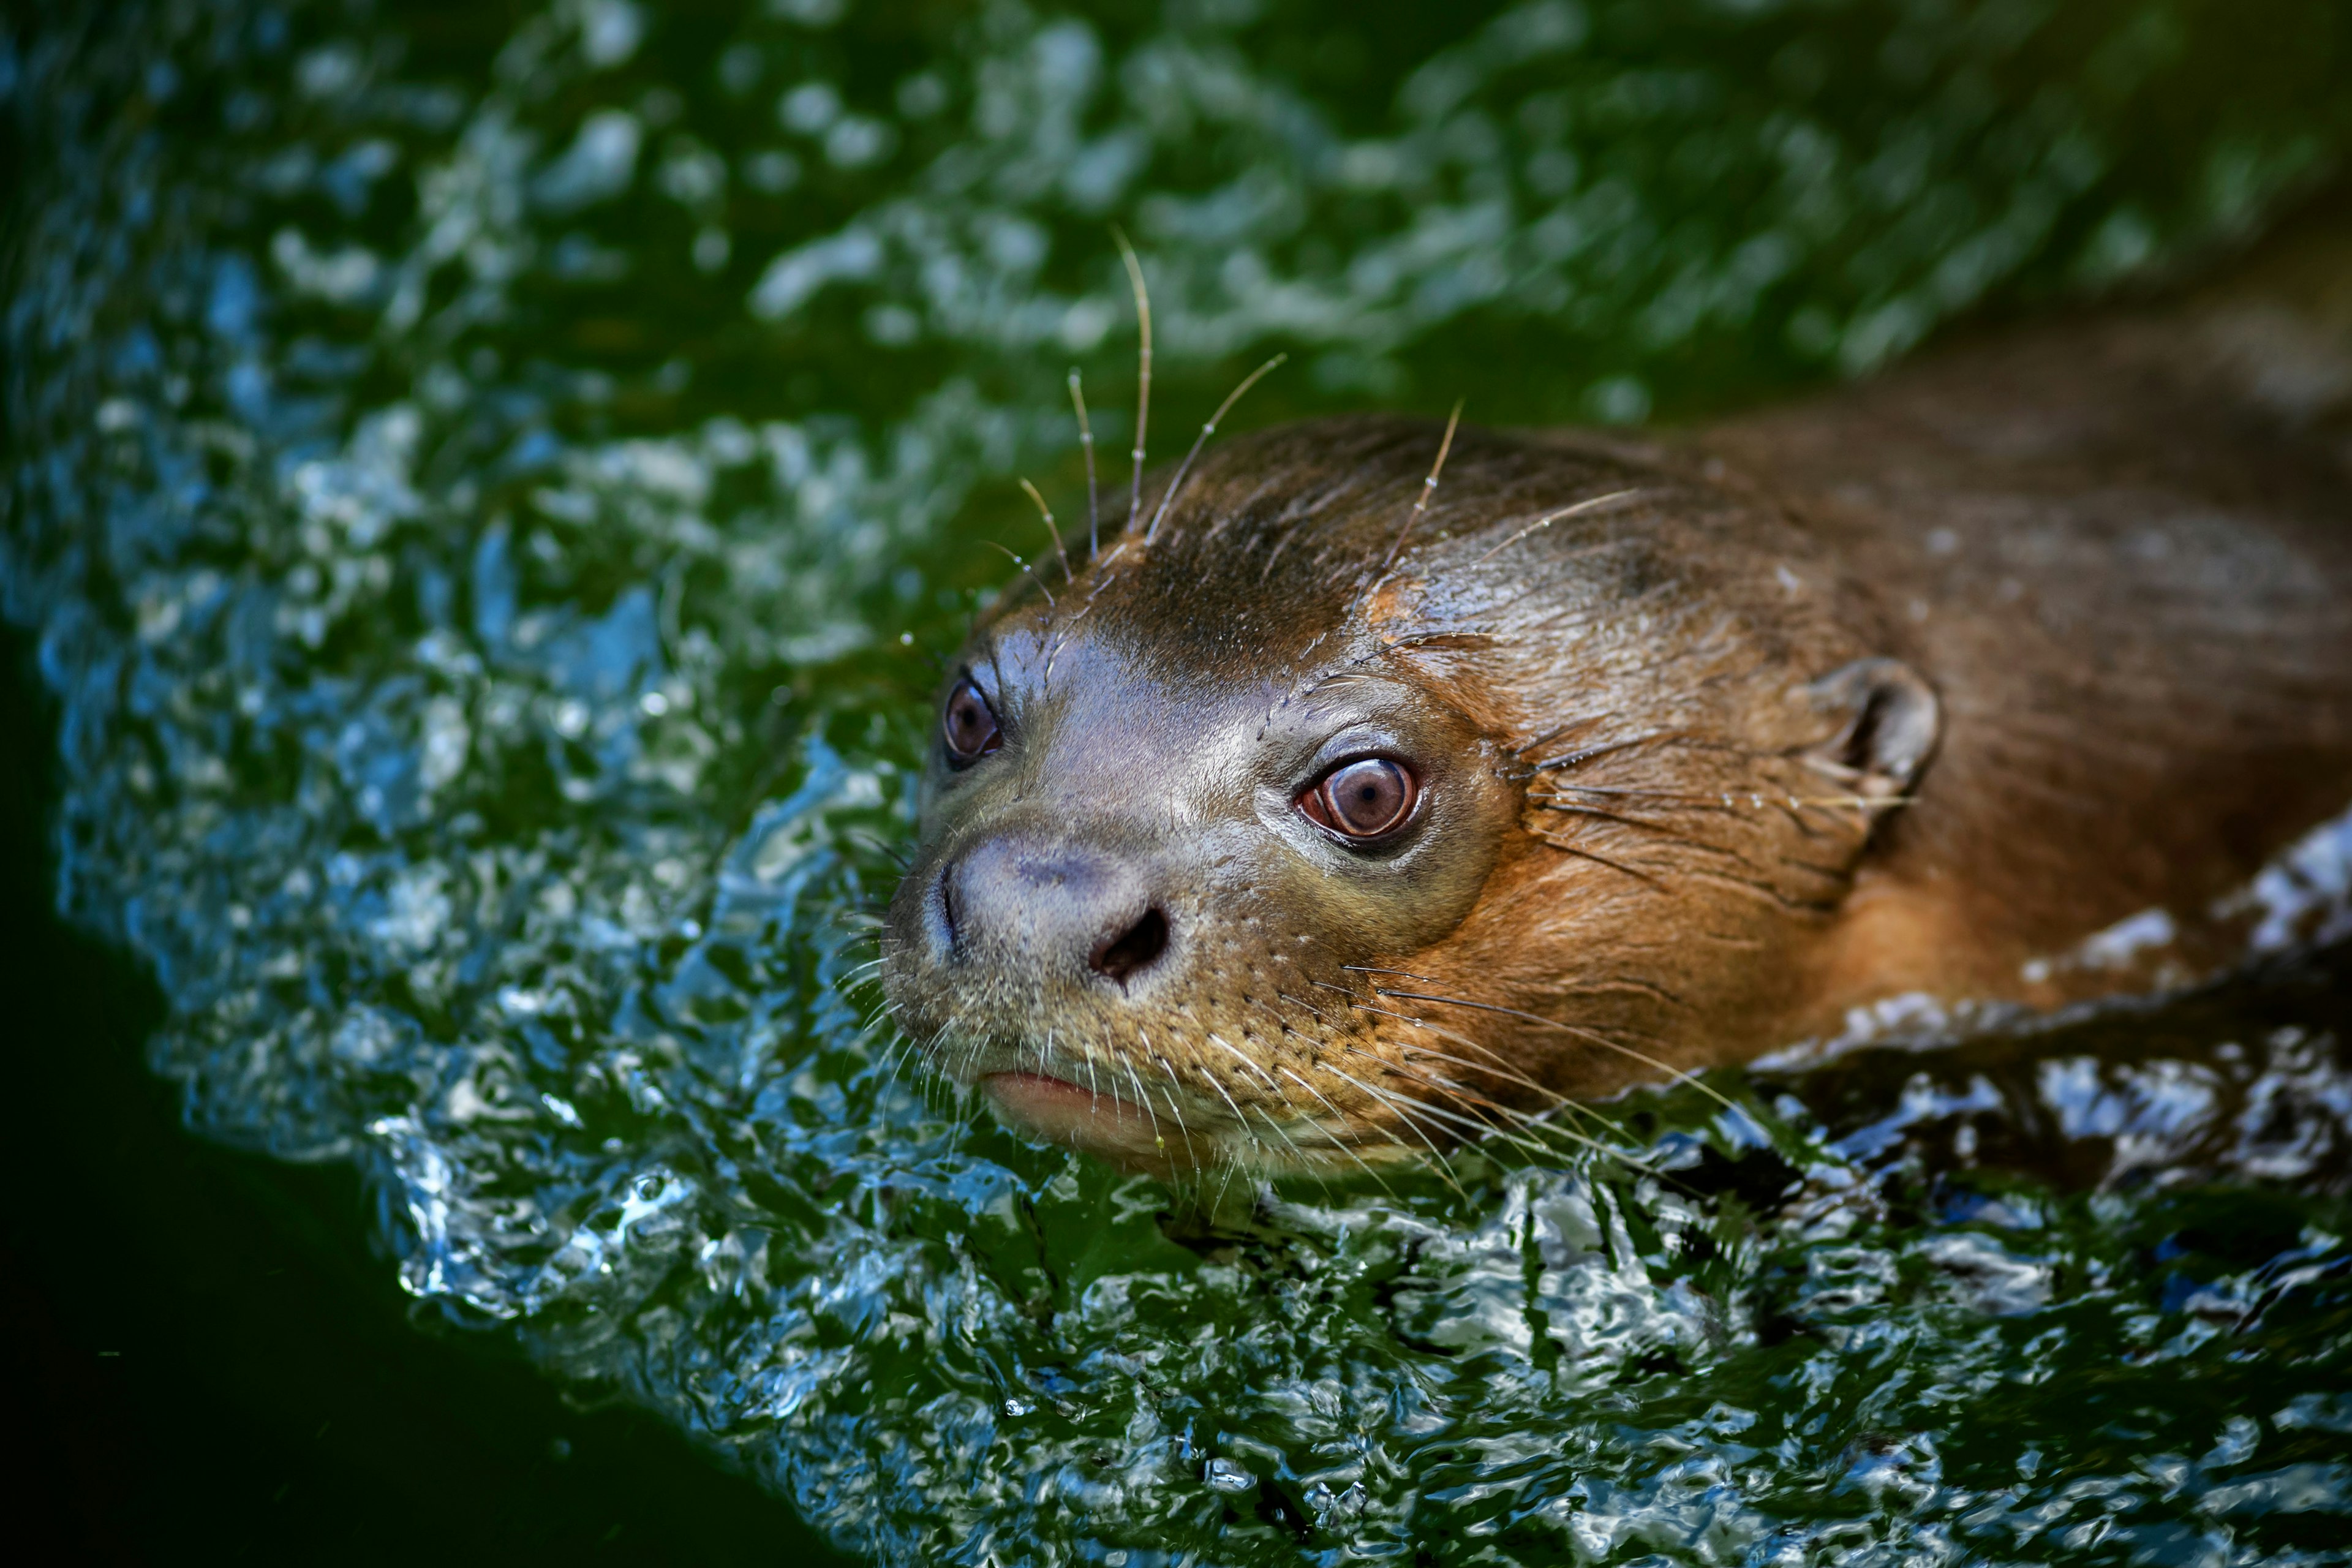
[1054,906]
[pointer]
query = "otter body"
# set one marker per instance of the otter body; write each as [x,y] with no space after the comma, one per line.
[1304,828]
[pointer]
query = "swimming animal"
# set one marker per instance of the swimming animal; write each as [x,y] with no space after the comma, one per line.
[1375,785]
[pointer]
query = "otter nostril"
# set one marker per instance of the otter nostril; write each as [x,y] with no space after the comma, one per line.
[1136,948]
[950,914]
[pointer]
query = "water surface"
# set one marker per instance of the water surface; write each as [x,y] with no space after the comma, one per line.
[489,483]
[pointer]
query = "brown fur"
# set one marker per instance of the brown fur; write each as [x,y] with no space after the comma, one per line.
[1664,832]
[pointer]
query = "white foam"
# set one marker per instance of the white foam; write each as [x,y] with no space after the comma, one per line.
[2304,897]
[2123,943]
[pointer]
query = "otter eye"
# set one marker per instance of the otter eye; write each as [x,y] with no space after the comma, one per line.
[1362,799]
[968,725]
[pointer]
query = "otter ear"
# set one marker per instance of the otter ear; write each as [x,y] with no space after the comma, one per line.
[1889,720]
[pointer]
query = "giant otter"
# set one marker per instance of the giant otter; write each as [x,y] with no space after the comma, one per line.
[1323,817]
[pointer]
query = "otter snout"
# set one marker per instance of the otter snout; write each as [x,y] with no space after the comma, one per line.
[1056,906]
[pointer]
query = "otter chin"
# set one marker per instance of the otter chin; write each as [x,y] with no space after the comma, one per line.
[1324,817]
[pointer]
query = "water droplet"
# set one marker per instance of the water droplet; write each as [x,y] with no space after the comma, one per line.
[1226,1476]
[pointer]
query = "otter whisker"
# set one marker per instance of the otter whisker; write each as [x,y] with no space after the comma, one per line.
[1516,1116]
[1574,990]
[1428,489]
[1047,513]
[1232,1165]
[1339,1143]
[1556,731]
[1575,759]
[1614,984]
[1211,1078]
[1094,1080]
[967,1116]
[1553,1096]
[961,1101]
[1062,634]
[1706,803]
[1176,485]
[1307,1164]
[1569,809]
[1143,368]
[1086,442]
[1142,1098]
[1556,1101]
[1480,1129]
[1192,1150]
[1677,1074]
[875,841]
[927,1089]
[1301,1154]
[1400,1104]
[1595,504]
[892,1055]
[1404,973]
[1030,571]
[1102,573]
[1244,1060]
[1288,1027]
[1583,854]
[1178,1112]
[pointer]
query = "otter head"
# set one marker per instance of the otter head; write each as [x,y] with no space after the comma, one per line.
[1289,838]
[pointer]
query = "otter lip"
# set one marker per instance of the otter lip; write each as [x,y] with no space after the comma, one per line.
[1070,1113]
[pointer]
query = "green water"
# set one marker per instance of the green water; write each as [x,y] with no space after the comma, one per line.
[487,484]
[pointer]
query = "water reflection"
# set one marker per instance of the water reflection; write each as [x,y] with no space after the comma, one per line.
[470,474]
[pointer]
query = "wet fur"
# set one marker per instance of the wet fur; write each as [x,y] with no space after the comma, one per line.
[2120,553]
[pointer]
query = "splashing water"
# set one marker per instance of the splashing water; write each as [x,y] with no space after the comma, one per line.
[469,474]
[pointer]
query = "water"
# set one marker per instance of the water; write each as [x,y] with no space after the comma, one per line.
[489,483]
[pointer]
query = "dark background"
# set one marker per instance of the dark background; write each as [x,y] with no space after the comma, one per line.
[203,1357]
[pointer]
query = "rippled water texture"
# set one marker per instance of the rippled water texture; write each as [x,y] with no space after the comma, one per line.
[471,467]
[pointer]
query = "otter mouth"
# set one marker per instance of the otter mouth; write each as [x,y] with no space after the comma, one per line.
[1097,1122]
[1063,1112]
[1163,1143]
